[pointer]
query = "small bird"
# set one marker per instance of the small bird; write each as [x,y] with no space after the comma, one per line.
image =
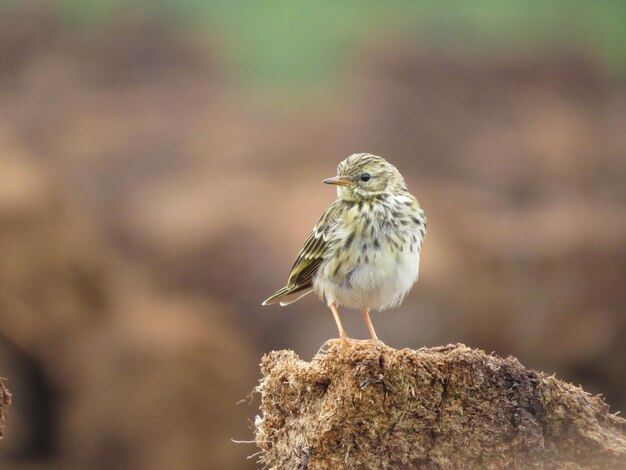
[364,252]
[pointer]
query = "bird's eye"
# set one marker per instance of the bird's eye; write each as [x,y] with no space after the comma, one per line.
[365,177]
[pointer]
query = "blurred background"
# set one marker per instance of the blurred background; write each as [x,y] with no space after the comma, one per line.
[160,167]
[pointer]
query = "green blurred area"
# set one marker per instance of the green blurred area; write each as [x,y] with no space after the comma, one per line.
[280,43]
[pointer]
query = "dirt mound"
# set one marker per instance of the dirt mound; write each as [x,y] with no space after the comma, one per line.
[5,402]
[449,407]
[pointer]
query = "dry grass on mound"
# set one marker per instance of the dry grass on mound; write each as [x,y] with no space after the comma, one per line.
[5,401]
[371,406]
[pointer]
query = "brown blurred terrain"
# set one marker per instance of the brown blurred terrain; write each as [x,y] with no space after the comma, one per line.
[148,205]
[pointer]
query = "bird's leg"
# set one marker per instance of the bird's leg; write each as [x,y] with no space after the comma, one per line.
[368,322]
[343,337]
[342,333]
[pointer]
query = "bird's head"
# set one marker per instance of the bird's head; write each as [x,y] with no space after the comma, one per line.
[363,175]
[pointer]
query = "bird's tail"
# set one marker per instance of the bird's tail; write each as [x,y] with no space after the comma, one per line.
[286,295]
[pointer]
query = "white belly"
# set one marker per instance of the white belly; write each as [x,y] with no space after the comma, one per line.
[379,284]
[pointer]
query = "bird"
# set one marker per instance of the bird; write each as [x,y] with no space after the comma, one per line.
[364,253]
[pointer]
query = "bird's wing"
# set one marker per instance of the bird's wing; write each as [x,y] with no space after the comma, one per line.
[308,261]
[313,252]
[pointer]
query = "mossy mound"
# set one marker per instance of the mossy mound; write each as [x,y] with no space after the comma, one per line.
[371,406]
[5,401]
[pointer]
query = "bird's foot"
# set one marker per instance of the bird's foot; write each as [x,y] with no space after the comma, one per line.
[342,341]
[369,342]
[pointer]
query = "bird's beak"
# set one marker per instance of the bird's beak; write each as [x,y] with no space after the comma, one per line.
[338,181]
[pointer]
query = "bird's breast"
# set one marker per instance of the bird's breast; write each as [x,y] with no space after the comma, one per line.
[374,259]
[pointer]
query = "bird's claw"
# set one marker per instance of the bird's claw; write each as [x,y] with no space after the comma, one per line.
[346,342]
[374,341]
[343,341]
